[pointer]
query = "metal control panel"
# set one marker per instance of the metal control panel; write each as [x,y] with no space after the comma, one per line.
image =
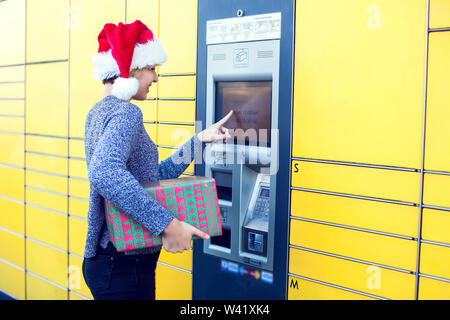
[241,71]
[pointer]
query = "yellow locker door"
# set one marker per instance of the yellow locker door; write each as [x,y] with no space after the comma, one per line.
[439,14]
[12,37]
[54,45]
[437,143]
[87,20]
[178,34]
[359,81]
[46,102]
[172,284]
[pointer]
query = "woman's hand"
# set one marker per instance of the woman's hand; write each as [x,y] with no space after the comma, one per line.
[216,132]
[177,236]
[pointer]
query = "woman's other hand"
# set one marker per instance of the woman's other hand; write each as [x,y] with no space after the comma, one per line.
[177,236]
[216,132]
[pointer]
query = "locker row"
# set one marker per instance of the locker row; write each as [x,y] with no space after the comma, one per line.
[171,283]
[311,276]
[364,277]
[166,136]
[340,240]
[374,113]
[83,22]
[13,84]
[398,186]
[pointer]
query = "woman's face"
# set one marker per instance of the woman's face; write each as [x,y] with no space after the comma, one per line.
[146,79]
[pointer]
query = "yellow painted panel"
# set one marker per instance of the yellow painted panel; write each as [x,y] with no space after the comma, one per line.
[148,107]
[437,143]
[152,131]
[366,214]
[11,183]
[86,24]
[47,262]
[76,280]
[435,191]
[358,82]
[77,235]
[78,168]
[164,153]
[78,207]
[181,260]
[301,289]
[79,188]
[371,182]
[434,260]
[12,19]
[146,11]
[436,225]
[46,145]
[430,289]
[16,73]
[12,281]
[439,13]
[182,39]
[176,111]
[73,296]
[174,135]
[13,124]
[15,90]
[13,148]
[46,181]
[172,284]
[176,87]
[76,148]
[12,107]
[38,289]
[47,200]
[54,46]
[353,275]
[386,250]
[46,226]
[12,215]
[46,103]
[46,163]
[13,252]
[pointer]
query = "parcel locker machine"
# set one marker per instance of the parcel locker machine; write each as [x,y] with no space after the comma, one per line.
[244,64]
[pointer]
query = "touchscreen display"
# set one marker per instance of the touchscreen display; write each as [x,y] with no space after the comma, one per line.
[251,102]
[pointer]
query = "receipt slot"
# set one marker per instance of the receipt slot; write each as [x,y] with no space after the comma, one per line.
[244,64]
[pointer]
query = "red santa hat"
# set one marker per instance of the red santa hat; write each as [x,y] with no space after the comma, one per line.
[123,48]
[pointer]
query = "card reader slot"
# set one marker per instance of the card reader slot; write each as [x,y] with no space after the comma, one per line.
[224,182]
[224,240]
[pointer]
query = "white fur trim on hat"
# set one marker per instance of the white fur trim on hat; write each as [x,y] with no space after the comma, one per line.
[148,54]
[125,88]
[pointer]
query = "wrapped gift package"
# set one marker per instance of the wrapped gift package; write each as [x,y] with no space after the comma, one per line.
[190,199]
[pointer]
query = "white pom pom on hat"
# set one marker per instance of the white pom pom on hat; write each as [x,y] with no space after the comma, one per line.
[123,48]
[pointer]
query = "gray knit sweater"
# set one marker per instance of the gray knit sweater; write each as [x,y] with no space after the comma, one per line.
[120,156]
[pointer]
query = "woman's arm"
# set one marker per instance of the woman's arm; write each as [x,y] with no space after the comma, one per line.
[177,163]
[108,174]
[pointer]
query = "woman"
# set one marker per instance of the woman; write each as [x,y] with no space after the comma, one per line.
[120,156]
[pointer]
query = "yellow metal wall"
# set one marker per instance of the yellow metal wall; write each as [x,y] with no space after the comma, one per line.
[366,221]
[46,90]
[360,205]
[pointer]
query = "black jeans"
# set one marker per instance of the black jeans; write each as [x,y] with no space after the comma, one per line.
[111,275]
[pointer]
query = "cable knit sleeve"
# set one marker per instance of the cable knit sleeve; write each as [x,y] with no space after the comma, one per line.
[109,176]
[176,164]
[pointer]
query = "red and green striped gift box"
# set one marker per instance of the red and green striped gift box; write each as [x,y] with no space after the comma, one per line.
[190,199]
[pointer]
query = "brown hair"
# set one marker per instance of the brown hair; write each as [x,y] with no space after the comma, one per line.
[133,73]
